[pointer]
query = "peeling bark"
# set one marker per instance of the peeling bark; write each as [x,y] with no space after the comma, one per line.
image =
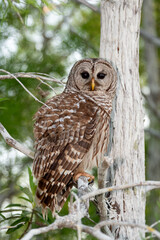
[120,29]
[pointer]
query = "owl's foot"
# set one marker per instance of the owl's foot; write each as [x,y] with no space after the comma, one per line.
[89,177]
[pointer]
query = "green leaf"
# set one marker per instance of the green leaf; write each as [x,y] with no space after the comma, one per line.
[28,193]
[31,182]
[12,217]
[15,205]
[26,199]
[18,224]
[10,210]
[1,215]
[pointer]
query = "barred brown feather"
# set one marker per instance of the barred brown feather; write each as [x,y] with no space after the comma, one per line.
[71,134]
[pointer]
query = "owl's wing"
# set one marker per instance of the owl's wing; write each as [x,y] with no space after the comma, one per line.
[63,135]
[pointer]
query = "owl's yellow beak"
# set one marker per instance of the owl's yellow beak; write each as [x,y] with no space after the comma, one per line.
[93,84]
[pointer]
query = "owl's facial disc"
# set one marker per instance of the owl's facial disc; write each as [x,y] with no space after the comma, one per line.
[92,75]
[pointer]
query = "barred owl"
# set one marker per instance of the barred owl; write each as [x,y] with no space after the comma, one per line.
[72,131]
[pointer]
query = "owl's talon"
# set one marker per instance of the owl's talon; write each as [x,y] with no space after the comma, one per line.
[89,177]
[91,182]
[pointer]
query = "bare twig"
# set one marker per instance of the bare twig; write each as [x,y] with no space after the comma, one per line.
[13,143]
[154,224]
[8,227]
[45,83]
[33,75]
[87,4]
[152,105]
[153,132]
[69,221]
[13,76]
[132,225]
[150,38]
[72,221]
[149,185]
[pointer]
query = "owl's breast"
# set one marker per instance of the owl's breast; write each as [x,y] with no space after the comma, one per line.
[99,144]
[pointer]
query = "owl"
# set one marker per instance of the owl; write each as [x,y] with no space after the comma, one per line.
[72,130]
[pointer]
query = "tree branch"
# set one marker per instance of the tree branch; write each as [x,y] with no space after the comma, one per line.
[87,4]
[13,76]
[152,105]
[149,185]
[153,132]
[13,143]
[9,227]
[150,38]
[42,76]
[69,221]
[77,211]
[132,225]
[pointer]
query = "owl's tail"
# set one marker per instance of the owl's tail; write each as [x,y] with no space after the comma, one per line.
[53,194]
[55,185]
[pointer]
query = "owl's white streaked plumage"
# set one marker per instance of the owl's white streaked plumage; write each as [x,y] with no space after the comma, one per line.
[72,134]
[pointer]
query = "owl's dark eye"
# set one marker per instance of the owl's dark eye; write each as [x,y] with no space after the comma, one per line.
[85,75]
[101,75]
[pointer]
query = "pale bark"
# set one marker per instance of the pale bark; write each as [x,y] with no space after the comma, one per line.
[120,31]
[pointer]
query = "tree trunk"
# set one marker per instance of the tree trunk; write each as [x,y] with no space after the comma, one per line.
[120,28]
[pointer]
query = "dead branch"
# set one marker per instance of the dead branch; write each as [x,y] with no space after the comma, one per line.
[69,221]
[132,225]
[32,75]
[13,76]
[89,5]
[149,185]
[153,132]
[13,143]
[150,38]
[152,105]
[9,227]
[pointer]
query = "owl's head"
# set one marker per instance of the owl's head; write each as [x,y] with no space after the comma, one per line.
[92,74]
